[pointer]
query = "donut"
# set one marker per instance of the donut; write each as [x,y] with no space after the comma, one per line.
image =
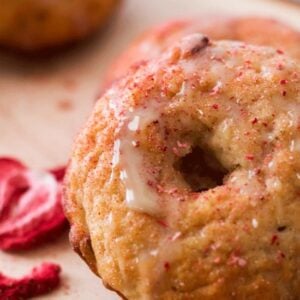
[37,25]
[184,183]
[252,30]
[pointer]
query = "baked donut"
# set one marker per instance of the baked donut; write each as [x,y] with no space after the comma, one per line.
[252,30]
[35,25]
[185,182]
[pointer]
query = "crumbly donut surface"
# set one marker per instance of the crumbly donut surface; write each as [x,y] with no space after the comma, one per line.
[33,25]
[144,214]
[253,30]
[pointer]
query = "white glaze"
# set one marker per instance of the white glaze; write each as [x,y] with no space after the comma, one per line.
[254,223]
[138,194]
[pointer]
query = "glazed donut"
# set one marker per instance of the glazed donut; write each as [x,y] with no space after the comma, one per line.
[252,30]
[35,25]
[185,182]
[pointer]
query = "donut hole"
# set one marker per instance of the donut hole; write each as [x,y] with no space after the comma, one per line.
[201,170]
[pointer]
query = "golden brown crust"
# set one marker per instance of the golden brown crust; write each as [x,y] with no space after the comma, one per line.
[79,233]
[35,25]
[237,239]
[252,30]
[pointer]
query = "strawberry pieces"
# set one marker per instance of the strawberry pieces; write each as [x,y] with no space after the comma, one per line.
[41,280]
[30,205]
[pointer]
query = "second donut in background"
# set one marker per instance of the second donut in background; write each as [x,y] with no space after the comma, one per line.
[35,25]
[252,30]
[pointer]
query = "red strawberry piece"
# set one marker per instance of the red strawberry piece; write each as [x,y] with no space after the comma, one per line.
[42,280]
[58,173]
[30,205]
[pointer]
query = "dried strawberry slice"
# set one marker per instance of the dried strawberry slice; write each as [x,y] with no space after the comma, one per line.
[30,205]
[40,281]
[58,173]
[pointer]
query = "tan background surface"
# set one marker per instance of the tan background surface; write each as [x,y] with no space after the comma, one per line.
[43,103]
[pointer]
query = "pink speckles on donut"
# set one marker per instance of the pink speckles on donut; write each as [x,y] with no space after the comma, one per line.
[214,177]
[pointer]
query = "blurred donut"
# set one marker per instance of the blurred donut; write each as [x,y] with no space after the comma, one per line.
[252,30]
[184,183]
[35,25]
